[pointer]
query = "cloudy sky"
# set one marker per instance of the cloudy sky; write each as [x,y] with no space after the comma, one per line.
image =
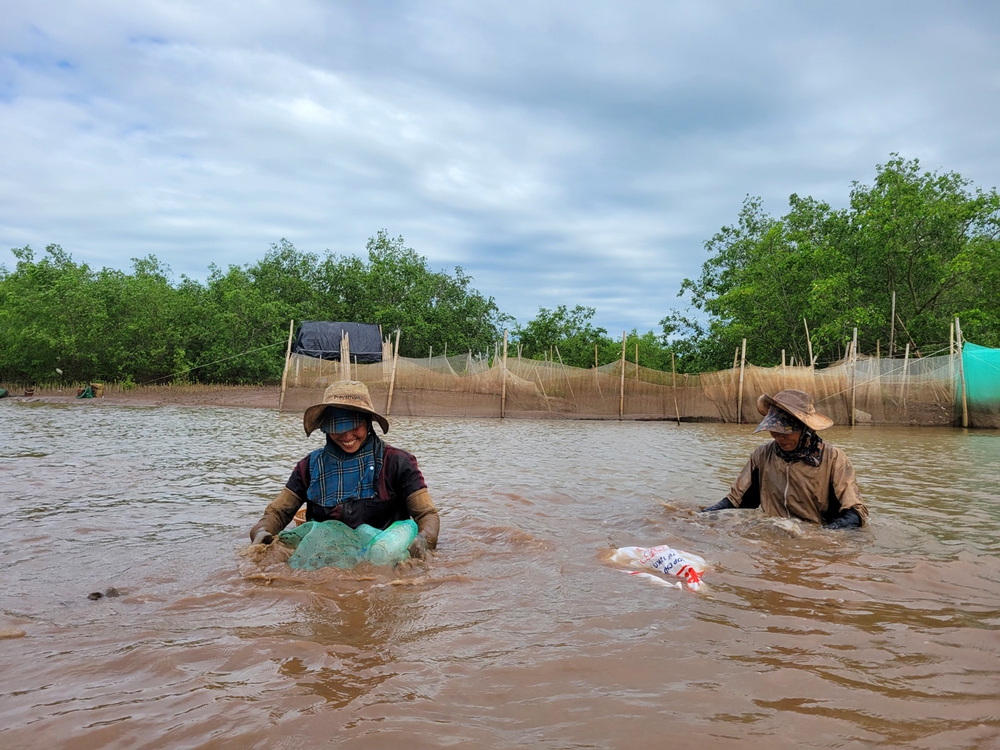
[561,152]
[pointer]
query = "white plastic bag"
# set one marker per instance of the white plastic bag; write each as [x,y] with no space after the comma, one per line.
[665,561]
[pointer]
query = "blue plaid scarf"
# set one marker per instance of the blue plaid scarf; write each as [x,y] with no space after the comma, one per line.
[336,477]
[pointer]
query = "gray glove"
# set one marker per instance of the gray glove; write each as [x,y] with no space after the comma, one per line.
[723,504]
[263,537]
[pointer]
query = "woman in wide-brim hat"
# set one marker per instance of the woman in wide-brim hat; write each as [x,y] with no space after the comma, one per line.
[356,477]
[797,474]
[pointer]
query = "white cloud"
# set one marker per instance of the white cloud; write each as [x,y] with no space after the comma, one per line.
[567,153]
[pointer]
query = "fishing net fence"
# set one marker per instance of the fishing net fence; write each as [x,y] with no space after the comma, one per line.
[876,390]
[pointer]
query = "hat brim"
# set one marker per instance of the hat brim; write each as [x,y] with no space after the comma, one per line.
[313,416]
[814,421]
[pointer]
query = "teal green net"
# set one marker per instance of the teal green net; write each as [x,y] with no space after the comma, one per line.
[982,377]
[324,544]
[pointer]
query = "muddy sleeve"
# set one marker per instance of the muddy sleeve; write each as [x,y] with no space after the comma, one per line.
[845,486]
[744,487]
[422,510]
[278,514]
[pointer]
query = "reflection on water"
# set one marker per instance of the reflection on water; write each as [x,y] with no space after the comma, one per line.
[518,633]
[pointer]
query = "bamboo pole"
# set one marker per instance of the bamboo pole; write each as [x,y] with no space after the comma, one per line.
[566,373]
[503,385]
[892,330]
[392,377]
[540,385]
[906,376]
[878,370]
[636,360]
[951,355]
[673,370]
[960,343]
[621,391]
[345,355]
[784,384]
[284,373]
[739,402]
[809,343]
[736,357]
[854,373]
[597,375]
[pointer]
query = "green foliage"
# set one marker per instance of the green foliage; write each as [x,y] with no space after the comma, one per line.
[572,336]
[570,331]
[141,326]
[928,237]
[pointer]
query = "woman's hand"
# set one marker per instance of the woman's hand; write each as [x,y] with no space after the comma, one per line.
[418,548]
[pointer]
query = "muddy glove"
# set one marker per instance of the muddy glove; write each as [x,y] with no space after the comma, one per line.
[723,504]
[418,548]
[849,519]
[263,537]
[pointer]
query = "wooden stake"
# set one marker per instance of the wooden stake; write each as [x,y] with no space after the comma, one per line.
[673,369]
[960,343]
[892,329]
[284,373]
[809,343]
[392,377]
[595,357]
[636,360]
[503,385]
[854,373]
[621,392]
[739,403]
[783,383]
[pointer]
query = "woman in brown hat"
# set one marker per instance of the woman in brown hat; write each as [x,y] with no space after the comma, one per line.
[797,474]
[355,477]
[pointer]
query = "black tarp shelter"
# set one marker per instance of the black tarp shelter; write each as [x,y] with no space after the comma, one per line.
[321,339]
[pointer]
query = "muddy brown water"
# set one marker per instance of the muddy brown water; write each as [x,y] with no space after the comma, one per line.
[519,633]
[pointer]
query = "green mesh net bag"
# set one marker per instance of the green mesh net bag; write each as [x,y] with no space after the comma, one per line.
[324,544]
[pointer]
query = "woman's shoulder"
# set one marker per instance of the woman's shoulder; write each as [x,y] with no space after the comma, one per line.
[397,454]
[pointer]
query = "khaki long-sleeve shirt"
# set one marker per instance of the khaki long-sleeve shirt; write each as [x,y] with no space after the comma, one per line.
[813,493]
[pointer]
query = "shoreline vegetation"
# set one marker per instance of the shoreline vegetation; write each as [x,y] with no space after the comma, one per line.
[887,274]
[193,394]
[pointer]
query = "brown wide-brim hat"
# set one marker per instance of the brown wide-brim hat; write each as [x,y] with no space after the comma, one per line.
[344,394]
[797,403]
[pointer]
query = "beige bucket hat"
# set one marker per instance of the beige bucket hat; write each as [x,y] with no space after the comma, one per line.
[797,403]
[344,394]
